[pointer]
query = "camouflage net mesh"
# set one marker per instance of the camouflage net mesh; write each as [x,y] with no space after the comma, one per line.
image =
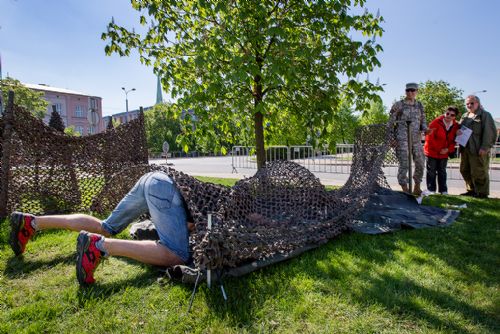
[279,210]
[51,172]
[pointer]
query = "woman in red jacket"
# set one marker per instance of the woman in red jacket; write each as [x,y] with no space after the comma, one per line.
[438,145]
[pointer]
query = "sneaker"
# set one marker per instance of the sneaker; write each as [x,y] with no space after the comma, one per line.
[21,231]
[88,257]
[444,193]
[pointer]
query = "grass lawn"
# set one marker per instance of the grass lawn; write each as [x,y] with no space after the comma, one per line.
[438,280]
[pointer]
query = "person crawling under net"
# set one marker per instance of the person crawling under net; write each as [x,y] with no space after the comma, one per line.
[155,192]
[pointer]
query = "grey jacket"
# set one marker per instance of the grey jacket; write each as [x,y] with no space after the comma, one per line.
[484,132]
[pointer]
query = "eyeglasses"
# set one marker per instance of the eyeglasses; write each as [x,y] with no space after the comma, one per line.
[450,114]
[411,90]
[470,103]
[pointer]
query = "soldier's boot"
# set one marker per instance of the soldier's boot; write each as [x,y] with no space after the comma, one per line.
[416,190]
[405,188]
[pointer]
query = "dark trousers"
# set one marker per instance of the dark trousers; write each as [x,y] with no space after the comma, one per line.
[436,167]
[474,170]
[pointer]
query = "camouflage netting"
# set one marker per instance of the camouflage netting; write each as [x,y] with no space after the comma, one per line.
[281,210]
[50,172]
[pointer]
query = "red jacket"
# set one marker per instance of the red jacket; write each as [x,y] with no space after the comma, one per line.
[440,138]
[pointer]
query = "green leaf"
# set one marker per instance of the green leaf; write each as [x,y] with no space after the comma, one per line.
[228,63]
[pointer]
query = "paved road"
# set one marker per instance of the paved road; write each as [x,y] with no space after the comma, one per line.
[221,167]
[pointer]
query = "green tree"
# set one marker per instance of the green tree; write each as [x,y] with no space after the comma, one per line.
[343,128]
[70,131]
[214,135]
[162,124]
[286,129]
[437,95]
[255,57]
[23,96]
[376,114]
[56,121]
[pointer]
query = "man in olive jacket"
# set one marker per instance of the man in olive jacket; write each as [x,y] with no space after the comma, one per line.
[475,156]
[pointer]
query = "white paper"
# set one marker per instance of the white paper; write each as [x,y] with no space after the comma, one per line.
[463,138]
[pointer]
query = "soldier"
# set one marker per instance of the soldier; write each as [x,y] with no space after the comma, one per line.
[475,156]
[409,109]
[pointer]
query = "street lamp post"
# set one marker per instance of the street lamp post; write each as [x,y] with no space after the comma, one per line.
[126,101]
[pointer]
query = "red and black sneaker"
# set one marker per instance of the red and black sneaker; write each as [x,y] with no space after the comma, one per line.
[88,257]
[21,231]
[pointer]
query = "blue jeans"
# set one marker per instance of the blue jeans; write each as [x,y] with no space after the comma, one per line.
[154,192]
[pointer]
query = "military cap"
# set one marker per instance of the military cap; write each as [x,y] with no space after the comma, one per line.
[411,85]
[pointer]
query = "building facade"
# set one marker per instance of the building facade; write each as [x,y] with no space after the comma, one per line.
[74,108]
[123,117]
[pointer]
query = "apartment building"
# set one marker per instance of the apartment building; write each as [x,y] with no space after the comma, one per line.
[123,117]
[73,107]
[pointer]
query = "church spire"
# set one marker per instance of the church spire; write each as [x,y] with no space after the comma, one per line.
[159,95]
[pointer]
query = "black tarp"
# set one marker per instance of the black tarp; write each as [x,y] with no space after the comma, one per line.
[388,211]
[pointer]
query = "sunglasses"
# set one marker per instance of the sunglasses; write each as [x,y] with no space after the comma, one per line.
[470,103]
[411,90]
[450,114]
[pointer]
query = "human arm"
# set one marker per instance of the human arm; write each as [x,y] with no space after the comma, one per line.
[394,115]
[489,134]
[433,145]
[423,121]
[395,112]
[455,130]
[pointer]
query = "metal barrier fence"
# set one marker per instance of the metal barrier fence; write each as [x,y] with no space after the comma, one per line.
[182,154]
[339,162]
[316,160]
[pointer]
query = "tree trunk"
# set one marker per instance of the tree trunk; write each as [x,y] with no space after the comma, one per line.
[258,123]
[259,140]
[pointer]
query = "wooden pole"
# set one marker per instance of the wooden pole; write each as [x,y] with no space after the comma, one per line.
[408,131]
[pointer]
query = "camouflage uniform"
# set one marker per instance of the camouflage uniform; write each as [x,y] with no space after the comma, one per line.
[401,112]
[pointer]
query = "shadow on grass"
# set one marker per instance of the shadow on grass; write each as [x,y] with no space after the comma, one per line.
[18,266]
[470,242]
[101,291]
[247,294]
[374,272]
[400,294]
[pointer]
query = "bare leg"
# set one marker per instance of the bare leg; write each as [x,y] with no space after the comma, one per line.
[149,252]
[74,222]
[144,251]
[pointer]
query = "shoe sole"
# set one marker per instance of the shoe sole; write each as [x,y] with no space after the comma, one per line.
[82,244]
[15,227]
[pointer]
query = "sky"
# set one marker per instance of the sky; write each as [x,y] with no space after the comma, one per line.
[58,42]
